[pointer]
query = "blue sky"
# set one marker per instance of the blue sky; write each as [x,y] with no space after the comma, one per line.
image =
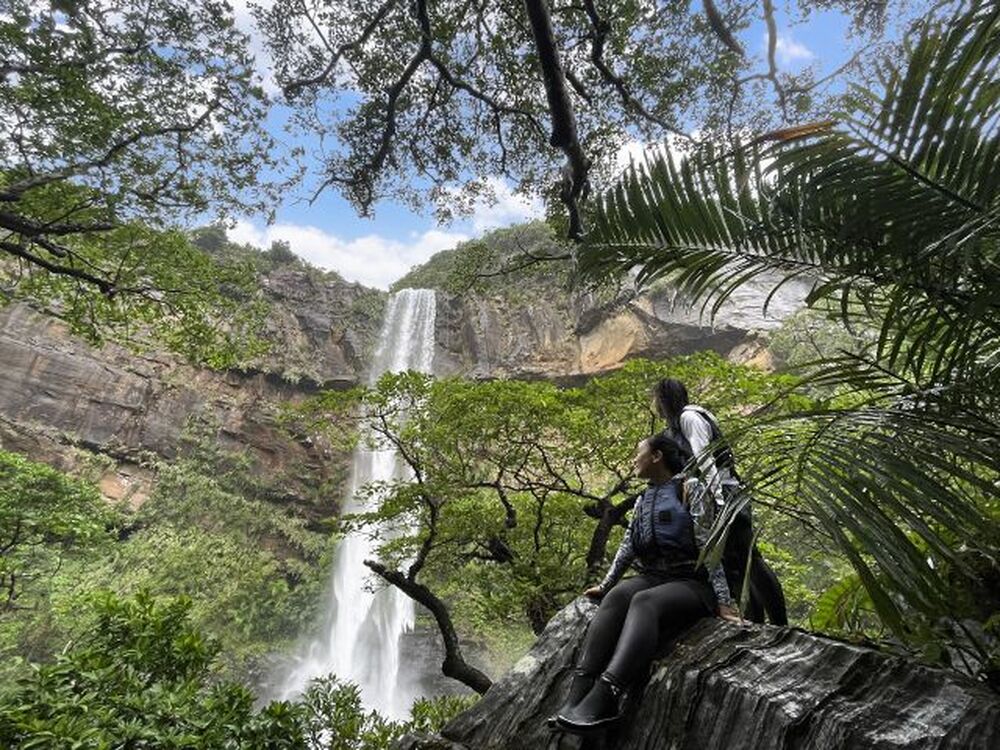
[377,251]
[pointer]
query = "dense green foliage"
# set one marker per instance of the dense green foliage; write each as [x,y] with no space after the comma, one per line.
[891,209]
[44,516]
[520,487]
[141,677]
[144,676]
[252,571]
[510,263]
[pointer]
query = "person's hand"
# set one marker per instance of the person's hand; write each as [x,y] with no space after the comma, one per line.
[594,592]
[730,613]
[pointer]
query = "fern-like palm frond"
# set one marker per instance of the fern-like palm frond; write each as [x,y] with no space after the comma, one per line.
[895,212]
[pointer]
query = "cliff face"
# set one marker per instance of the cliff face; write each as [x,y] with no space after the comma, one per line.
[70,404]
[65,402]
[543,331]
[723,685]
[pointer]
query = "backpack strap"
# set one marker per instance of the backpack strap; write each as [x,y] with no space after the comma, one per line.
[707,416]
[724,452]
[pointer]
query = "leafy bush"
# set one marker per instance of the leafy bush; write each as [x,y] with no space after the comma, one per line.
[144,678]
[44,516]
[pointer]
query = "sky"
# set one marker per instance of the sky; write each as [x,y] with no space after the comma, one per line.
[379,250]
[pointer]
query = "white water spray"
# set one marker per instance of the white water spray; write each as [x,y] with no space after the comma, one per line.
[360,637]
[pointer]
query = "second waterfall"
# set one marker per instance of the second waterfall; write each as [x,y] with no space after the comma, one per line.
[359,640]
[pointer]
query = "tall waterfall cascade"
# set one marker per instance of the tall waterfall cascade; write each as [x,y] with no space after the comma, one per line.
[361,630]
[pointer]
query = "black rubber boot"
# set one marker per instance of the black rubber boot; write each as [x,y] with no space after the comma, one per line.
[579,686]
[601,706]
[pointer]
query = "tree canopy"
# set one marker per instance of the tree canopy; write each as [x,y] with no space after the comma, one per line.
[423,96]
[119,121]
[518,488]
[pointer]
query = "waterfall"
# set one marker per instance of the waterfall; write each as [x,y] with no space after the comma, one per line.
[360,637]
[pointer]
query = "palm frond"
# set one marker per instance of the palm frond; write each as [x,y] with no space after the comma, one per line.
[895,213]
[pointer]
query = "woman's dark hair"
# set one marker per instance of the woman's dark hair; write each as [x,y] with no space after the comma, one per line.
[671,398]
[675,457]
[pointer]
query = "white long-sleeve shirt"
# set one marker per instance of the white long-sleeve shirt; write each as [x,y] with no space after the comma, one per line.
[698,431]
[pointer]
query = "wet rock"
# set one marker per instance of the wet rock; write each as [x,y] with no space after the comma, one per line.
[724,685]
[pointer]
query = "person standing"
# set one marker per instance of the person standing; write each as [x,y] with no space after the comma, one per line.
[696,428]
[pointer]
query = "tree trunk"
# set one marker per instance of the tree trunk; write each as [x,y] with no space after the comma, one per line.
[610,516]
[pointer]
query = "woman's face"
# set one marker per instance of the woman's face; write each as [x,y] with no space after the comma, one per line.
[645,460]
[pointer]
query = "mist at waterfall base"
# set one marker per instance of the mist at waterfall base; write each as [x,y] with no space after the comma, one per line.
[359,639]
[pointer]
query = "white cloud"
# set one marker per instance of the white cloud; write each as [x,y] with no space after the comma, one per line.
[638,151]
[789,52]
[372,260]
[245,22]
[507,208]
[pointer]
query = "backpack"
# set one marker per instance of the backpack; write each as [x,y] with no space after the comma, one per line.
[663,524]
[722,452]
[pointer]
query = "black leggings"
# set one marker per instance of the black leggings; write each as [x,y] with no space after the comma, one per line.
[766,593]
[625,633]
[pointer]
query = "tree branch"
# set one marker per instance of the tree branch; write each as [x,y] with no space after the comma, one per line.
[14,192]
[564,131]
[425,29]
[428,544]
[610,516]
[104,285]
[292,88]
[718,24]
[102,55]
[598,39]
[454,664]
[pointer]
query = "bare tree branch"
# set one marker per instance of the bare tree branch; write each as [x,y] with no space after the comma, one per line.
[564,131]
[454,664]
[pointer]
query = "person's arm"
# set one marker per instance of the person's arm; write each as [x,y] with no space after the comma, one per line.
[702,511]
[698,432]
[623,558]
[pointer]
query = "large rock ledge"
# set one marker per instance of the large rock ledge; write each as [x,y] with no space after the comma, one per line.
[731,686]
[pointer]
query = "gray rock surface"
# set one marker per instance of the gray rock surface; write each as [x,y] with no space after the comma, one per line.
[543,331]
[736,687]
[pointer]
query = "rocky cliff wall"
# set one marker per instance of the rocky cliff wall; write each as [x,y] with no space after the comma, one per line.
[67,403]
[736,687]
[63,401]
[540,330]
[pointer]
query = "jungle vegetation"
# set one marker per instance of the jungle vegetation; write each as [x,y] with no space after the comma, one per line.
[874,464]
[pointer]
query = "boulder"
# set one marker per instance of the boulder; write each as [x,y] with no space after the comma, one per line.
[731,686]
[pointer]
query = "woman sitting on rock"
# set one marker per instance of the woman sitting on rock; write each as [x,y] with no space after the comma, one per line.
[670,523]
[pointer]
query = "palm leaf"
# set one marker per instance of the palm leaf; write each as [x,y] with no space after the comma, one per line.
[896,212]
[894,215]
